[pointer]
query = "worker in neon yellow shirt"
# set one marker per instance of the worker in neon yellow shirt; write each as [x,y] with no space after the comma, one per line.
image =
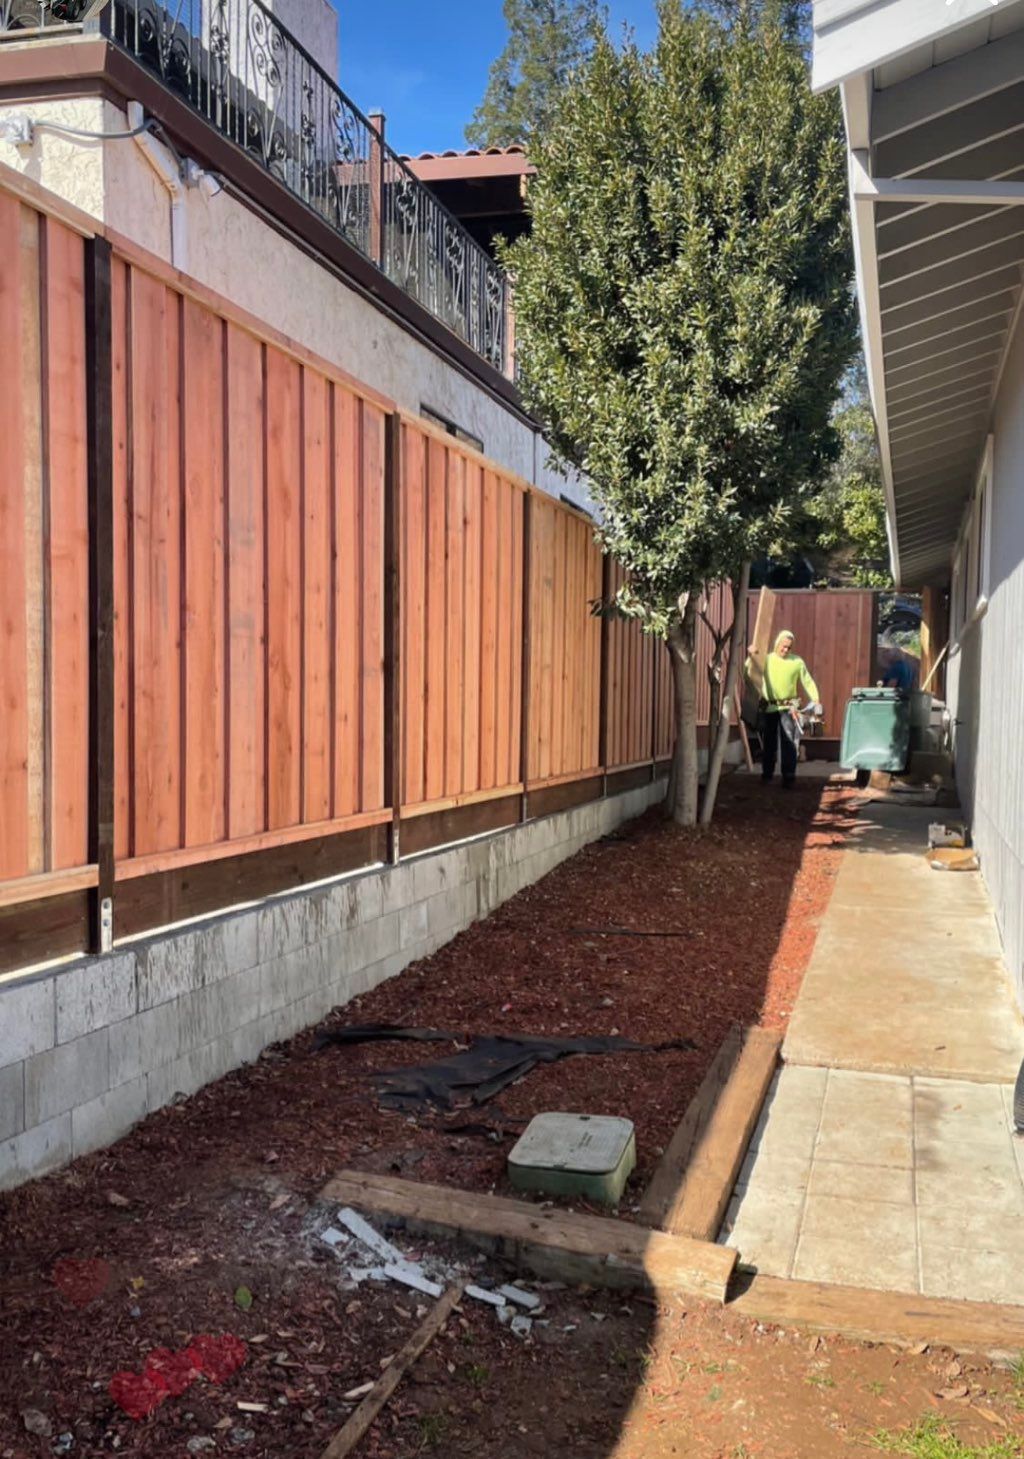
[785,673]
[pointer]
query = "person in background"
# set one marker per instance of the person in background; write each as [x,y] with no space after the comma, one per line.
[897,671]
[785,673]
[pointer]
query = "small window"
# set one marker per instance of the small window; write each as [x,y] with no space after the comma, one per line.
[983,530]
[436,418]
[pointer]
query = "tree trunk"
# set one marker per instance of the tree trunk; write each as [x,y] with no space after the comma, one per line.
[717,757]
[681,804]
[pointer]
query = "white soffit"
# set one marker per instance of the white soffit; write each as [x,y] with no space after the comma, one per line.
[936,137]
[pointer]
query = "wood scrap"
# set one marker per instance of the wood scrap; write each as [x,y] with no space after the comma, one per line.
[951,858]
[356,1426]
[596,1250]
[690,1189]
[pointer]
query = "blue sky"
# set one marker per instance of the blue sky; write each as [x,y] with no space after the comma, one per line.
[425,66]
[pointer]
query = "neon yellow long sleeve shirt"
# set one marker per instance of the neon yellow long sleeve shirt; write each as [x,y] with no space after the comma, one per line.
[783,678]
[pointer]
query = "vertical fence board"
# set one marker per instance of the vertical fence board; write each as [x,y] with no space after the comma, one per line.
[434,768]
[284,592]
[123,774]
[246,629]
[455,492]
[514,623]
[471,628]
[68,565]
[372,611]
[504,624]
[316,601]
[17,309]
[348,568]
[489,610]
[156,567]
[203,749]
[413,611]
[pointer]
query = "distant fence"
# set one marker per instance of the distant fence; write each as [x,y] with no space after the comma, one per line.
[258,626]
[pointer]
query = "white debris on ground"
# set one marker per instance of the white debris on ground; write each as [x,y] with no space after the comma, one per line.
[365,1255]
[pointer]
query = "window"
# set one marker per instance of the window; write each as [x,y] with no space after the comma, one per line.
[983,530]
[971,559]
[436,418]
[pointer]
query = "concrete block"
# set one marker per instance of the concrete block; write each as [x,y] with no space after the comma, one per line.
[190,1072]
[94,994]
[12,1100]
[211,1013]
[27,1019]
[285,980]
[283,927]
[397,886]
[388,967]
[35,1152]
[412,923]
[106,1118]
[65,1076]
[186,961]
[452,910]
[376,940]
[144,1042]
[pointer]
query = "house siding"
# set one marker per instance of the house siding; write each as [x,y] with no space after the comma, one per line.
[986,683]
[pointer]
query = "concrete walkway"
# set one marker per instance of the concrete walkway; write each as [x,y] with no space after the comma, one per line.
[885,1155]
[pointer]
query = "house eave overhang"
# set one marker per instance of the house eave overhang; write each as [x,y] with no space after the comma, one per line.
[933,102]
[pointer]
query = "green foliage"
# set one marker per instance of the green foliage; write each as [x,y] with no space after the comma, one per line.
[547,40]
[845,516]
[683,304]
[934,1438]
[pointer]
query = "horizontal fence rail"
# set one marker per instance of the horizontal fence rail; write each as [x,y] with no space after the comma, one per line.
[261,627]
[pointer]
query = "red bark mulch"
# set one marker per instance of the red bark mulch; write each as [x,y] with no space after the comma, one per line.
[212,1194]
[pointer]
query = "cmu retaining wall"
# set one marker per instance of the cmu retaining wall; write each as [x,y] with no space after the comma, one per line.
[91,1047]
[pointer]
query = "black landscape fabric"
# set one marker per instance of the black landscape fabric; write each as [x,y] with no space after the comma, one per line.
[475,1074]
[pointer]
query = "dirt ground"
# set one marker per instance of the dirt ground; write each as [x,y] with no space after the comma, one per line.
[213,1201]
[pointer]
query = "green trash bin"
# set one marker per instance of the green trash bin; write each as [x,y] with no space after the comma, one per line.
[876,731]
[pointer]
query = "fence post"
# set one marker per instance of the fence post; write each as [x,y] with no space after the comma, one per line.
[393,630]
[100,448]
[524,695]
[602,702]
[654,642]
[376,163]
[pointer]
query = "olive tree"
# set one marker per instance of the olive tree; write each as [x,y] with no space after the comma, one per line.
[684,311]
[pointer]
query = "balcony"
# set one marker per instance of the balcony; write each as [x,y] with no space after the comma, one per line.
[233,63]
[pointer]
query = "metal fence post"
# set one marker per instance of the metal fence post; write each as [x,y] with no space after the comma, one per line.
[376,162]
[100,447]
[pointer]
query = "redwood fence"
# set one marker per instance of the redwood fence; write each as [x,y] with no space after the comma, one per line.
[257,626]
[260,627]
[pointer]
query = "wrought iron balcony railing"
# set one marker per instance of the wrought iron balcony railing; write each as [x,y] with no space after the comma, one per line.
[235,64]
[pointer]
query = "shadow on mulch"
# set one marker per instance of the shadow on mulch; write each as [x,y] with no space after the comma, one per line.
[214,1193]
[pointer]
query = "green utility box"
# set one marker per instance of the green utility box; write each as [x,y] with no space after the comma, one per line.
[876,731]
[574,1155]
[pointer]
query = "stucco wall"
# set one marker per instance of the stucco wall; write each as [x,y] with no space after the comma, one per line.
[986,683]
[231,250]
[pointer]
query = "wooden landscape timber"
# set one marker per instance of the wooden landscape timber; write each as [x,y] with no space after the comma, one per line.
[594,1250]
[690,1189]
[346,1439]
[868,1315]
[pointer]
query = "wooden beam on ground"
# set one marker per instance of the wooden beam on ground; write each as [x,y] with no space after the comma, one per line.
[690,1189]
[595,1250]
[348,1437]
[874,1316]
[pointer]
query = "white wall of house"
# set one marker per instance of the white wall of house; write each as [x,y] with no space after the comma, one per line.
[233,251]
[986,682]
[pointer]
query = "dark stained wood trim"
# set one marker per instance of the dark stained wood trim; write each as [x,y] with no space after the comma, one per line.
[441,828]
[550,799]
[393,629]
[35,932]
[619,781]
[100,448]
[602,733]
[80,65]
[148,902]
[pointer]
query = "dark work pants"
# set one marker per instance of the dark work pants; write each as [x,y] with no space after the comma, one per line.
[778,733]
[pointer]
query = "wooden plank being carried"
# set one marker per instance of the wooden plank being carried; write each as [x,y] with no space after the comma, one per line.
[691,1186]
[595,1250]
[757,652]
[876,1316]
[346,1439]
